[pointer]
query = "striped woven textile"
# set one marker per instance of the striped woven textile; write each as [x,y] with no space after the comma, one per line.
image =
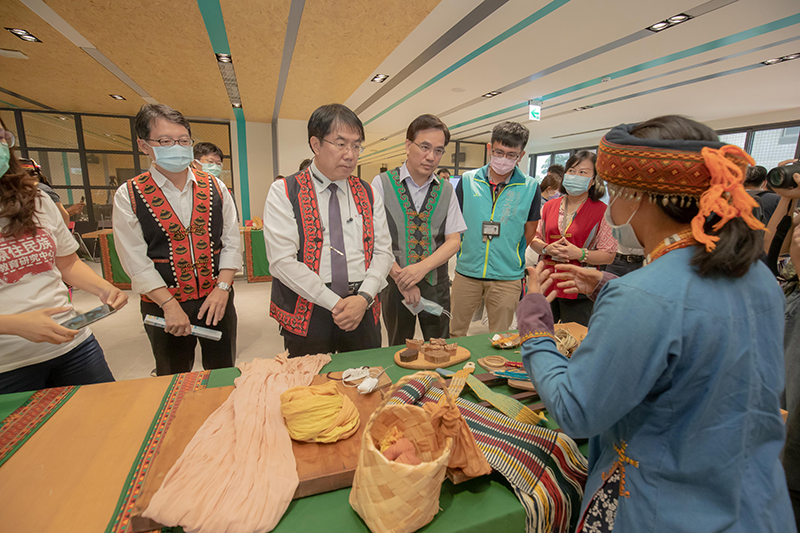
[546,469]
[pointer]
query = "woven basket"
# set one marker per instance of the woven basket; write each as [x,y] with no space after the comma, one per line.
[393,497]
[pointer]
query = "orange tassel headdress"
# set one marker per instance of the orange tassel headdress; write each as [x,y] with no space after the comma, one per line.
[678,170]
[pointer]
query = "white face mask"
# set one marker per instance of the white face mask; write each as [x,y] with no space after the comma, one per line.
[623,233]
[427,306]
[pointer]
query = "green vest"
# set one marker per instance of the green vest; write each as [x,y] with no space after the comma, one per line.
[502,257]
[416,235]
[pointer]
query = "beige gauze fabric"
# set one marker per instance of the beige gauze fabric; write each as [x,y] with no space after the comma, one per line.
[238,473]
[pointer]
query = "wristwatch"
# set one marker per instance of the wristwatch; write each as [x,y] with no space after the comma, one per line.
[370,300]
[224,286]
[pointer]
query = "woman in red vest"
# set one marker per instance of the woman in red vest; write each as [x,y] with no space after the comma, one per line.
[572,230]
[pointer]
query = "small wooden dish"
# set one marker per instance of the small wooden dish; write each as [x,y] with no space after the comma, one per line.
[462,354]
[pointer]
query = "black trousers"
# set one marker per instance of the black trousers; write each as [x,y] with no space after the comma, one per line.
[579,310]
[402,323]
[324,336]
[620,267]
[176,354]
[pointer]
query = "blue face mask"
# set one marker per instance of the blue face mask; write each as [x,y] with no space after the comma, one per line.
[576,185]
[175,158]
[429,307]
[5,157]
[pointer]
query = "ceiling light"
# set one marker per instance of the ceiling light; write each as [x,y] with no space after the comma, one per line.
[772,61]
[384,138]
[379,78]
[117,96]
[224,58]
[790,57]
[237,105]
[25,35]
[674,20]
[63,118]
[584,108]
[491,94]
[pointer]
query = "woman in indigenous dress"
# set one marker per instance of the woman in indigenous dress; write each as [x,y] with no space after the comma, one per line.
[37,255]
[572,230]
[677,383]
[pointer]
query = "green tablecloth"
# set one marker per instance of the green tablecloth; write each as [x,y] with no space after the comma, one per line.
[475,505]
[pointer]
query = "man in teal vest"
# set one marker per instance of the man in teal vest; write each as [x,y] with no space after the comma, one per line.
[501,207]
[425,223]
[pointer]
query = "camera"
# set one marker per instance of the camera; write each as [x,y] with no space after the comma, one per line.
[782,177]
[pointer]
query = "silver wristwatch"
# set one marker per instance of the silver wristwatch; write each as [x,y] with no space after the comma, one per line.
[224,286]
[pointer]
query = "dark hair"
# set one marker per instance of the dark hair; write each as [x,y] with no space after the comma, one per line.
[556,169]
[427,122]
[439,172]
[35,169]
[324,118]
[755,176]
[149,112]
[597,188]
[304,165]
[551,181]
[738,246]
[511,134]
[203,149]
[18,192]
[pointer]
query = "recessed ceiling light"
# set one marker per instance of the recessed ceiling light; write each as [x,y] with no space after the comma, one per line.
[678,18]
[224,58]
[117,96]
[384,138]
[63,118]
[790,57]
[491,94]
[674,20]
[584,108]
[379,78]
[658,26]
[25,35]
[772,61]
[237,104]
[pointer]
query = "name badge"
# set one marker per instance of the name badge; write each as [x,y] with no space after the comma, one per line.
[491,229]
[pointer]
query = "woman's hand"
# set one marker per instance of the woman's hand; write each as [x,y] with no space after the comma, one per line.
[37,326]
[114,297]
[572,279]
[539,281]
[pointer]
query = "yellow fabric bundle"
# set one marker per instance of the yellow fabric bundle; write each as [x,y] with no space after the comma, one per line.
[319,413]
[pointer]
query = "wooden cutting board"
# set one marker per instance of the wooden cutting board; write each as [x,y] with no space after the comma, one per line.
[320,467]
[462,354]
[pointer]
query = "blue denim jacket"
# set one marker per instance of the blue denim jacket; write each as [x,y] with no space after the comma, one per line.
[687,371]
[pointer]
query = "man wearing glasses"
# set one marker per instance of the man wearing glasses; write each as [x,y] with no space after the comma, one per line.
[426,225]
[177,237]
[328,244]
[501,206]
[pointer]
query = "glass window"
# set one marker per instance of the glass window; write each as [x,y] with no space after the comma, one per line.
[227,173]
[71,195]
[737,139]
[561,159]
[217,134]
[449,157]
[770,147]
[60,168]
[102,206]
[109,170]
[50,130]
[106,133]
[542,164]
[474,155]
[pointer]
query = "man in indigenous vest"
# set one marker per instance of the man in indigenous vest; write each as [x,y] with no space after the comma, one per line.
[176,234]
[328,244]
[501,207]
[426,225]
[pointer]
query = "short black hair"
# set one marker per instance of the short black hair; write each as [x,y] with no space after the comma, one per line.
[203,149]
[755,176]
[149,112]
[427,122]
[304,164]
[324,118]
[511,134]
[439,172]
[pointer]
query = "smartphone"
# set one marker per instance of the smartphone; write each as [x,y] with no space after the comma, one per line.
[81,321]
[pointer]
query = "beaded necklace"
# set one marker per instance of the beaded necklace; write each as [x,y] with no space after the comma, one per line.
[683,239]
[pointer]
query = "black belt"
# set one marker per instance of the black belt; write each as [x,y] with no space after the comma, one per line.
[631,258]
[352,288]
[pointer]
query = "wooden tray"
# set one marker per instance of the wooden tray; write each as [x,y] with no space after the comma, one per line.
[517,384]
[462,354]
[320,467]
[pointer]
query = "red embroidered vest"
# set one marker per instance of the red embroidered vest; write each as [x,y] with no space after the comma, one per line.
[582,231]
[293,312]
[171,245]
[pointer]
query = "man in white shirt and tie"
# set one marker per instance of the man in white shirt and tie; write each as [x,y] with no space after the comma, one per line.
[328,244]
[177,237]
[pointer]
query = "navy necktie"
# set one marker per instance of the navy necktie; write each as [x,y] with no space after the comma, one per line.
[339,282]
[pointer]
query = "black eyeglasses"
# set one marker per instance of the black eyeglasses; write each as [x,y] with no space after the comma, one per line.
[342,146]
[172,142]
[426,149]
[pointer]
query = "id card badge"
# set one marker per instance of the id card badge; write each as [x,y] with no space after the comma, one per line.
[490,229]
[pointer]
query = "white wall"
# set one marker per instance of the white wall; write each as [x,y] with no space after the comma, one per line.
[259,164]
[292,145]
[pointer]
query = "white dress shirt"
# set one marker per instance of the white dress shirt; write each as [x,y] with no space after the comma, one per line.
[130,243]
[283,242]
[455,220]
